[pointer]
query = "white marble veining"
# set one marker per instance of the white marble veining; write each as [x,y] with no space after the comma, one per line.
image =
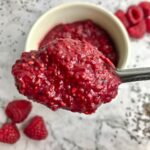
[113,127]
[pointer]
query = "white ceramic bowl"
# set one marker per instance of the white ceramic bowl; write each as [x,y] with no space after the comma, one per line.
[72,12]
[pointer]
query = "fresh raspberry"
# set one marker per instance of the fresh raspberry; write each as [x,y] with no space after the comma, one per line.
[148,24]
[122,16]
[137,31]
[18,110]
[135,14]
[9,133]
[145,7]
[36,129]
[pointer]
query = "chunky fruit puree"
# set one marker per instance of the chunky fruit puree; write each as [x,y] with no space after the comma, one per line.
[66,73]
[84,31]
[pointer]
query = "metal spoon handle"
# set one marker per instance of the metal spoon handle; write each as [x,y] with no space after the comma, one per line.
[131,75]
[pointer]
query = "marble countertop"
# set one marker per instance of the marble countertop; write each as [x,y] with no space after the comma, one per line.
[120,125]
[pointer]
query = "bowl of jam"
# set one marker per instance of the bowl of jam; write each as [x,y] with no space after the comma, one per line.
[86,22]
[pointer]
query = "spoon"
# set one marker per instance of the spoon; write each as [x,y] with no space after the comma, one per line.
[131,75]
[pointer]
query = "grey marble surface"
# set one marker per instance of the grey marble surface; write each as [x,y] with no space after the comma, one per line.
[120,125]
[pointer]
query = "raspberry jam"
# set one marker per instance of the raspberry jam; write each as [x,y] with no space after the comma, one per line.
[68,74]
[85,31]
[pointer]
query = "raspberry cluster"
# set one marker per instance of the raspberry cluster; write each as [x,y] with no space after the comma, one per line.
[136,20]
[17,111]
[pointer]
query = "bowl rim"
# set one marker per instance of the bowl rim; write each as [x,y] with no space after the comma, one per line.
[90,5]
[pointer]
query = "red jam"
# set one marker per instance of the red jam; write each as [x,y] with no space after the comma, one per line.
[68,74]
[84,31]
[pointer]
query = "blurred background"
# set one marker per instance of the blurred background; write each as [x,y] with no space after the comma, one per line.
[123,124]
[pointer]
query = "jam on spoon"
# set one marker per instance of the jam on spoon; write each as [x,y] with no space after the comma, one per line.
[68,74]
